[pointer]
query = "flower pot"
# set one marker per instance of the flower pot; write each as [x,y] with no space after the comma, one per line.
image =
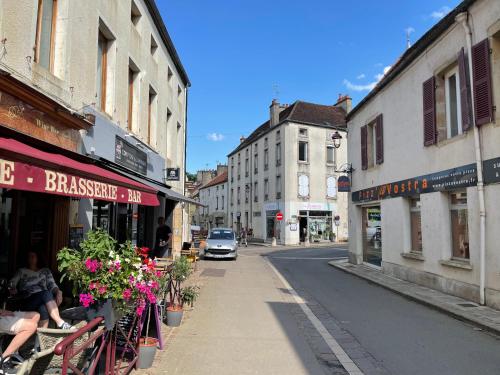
[147,352]
[174,316]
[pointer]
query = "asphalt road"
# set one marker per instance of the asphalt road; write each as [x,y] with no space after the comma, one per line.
[405,337]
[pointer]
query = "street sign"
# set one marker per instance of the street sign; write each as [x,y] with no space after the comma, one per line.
[279,216]
[343,184]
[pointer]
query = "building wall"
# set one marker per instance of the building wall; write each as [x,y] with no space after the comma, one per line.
[214,198]
[289,203]
[400,102]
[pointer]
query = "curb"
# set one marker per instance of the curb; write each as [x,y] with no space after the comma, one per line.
[340,265]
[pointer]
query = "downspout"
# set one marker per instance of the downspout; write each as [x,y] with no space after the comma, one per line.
[185,230]
[463,18]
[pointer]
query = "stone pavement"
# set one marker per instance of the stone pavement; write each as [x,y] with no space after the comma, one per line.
[483,317]
[245,322]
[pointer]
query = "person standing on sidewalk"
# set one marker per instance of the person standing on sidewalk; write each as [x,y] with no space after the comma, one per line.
[243,236]
[163,239]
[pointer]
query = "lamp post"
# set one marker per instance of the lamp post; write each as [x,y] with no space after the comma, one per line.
[337,141]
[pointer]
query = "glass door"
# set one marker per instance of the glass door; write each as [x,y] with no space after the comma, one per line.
[372,235]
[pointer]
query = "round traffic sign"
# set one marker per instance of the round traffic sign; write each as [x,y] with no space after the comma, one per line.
[279,216]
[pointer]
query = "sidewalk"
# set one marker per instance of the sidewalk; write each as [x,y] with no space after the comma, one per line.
[244,322]
[483,317]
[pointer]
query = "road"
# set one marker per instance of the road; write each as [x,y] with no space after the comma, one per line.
[402,337]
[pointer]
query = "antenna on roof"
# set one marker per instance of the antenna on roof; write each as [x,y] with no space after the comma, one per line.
[408,43]
[276,91]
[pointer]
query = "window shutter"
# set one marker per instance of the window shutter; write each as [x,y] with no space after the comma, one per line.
[465,97]
[331,187]
[379,139]
[364,147]
[481,70]
[429,106]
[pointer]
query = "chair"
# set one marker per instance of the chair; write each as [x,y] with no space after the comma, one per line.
[45,361]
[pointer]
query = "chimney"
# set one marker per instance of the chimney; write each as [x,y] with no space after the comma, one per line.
[221,168]
[344,101]
[242,139]
[274,113]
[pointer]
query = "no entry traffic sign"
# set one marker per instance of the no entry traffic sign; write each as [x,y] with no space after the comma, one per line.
[279,216]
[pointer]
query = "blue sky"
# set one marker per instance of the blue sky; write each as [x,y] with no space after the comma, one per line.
[238,54]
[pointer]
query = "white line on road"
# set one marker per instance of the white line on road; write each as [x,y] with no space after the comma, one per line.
[308,258]
[334,346]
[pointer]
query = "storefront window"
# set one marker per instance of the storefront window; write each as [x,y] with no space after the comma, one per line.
[372,235]
[459,225]
[416,225]
[102,216]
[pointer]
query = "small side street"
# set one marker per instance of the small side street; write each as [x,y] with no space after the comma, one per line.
[247,321]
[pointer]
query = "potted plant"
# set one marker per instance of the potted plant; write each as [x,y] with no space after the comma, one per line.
[109,279]
[190,294]
[180,271]
[147,346]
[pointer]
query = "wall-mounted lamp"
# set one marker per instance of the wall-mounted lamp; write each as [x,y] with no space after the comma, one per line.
[337,139]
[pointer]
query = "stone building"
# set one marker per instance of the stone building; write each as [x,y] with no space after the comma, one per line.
[213,198]
[289,164]
[112,65]
[424,147]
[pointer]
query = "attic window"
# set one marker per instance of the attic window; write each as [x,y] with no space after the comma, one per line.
[303,132]
[154,46]
[135,14]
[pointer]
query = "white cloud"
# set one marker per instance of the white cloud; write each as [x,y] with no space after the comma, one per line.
[216,137]
[361,76]
[369,86]
[409,30]
[440,13]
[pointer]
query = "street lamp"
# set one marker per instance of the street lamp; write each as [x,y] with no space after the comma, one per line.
[336,138]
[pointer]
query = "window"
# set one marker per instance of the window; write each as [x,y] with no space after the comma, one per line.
[255,163]
[131,79]
[102,71]
[151,114]
[232,197]
[415,225]
[45,33]
[266,189]
[154,46]
[330,154]
[278,187]
[265,143]
[247,193]
[238,195]
[303,186]
[303,151]
[453,109]
[266,159]
[303,132]
[247,167]
[372,143]
[216,203]
[232,172]
[222,202]
[278,154]
[135,14]
[255,191]
[331,187]
[278,135]
[459,225]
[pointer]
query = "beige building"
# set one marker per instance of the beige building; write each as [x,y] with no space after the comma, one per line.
[422,144]
[114,62]
[213,198]
[289,164]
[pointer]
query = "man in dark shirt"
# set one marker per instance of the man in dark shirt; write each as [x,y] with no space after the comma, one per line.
[163,239]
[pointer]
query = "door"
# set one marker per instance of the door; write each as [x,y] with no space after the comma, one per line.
[372,235]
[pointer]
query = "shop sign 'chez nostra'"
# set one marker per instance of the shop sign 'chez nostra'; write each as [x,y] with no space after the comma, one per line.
[450,179]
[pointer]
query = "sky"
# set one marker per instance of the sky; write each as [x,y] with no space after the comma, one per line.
[239,55]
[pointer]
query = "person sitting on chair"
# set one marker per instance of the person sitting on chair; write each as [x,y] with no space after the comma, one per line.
[42,293]
[20,324]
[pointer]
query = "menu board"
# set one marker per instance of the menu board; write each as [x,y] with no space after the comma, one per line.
[75,236]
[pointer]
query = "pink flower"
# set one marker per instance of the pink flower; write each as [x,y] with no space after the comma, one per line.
[102,289]
[155,285]
[92,285]
[86,299]
[151,298]
[158,273]
[92,265]
[127,293]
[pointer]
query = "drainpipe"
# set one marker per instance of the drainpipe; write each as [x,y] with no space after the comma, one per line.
[463,18]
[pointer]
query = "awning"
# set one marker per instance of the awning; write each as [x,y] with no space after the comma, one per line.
[24,167]
[162,188]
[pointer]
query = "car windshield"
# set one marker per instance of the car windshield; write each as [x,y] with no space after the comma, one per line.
[221,235]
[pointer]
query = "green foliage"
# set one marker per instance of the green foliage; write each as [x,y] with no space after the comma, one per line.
[191,176]
[190,294]
[181,269]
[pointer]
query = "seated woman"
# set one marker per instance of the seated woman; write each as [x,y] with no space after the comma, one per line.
[43,294]
[20,324]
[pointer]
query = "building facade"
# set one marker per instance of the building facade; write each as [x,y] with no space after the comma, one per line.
[423,143]
[112,70]
[212,212]
[289,165]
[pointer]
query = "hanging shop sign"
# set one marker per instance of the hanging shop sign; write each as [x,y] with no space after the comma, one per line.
[28,177]
[343,184]
[21,116]
[130,156]
[173,174]
[450,179]
[491,171]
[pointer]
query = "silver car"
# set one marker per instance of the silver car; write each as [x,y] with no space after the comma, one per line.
[221,243]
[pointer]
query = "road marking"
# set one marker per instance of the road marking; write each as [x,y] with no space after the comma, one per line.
[309,258]
[334,346]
